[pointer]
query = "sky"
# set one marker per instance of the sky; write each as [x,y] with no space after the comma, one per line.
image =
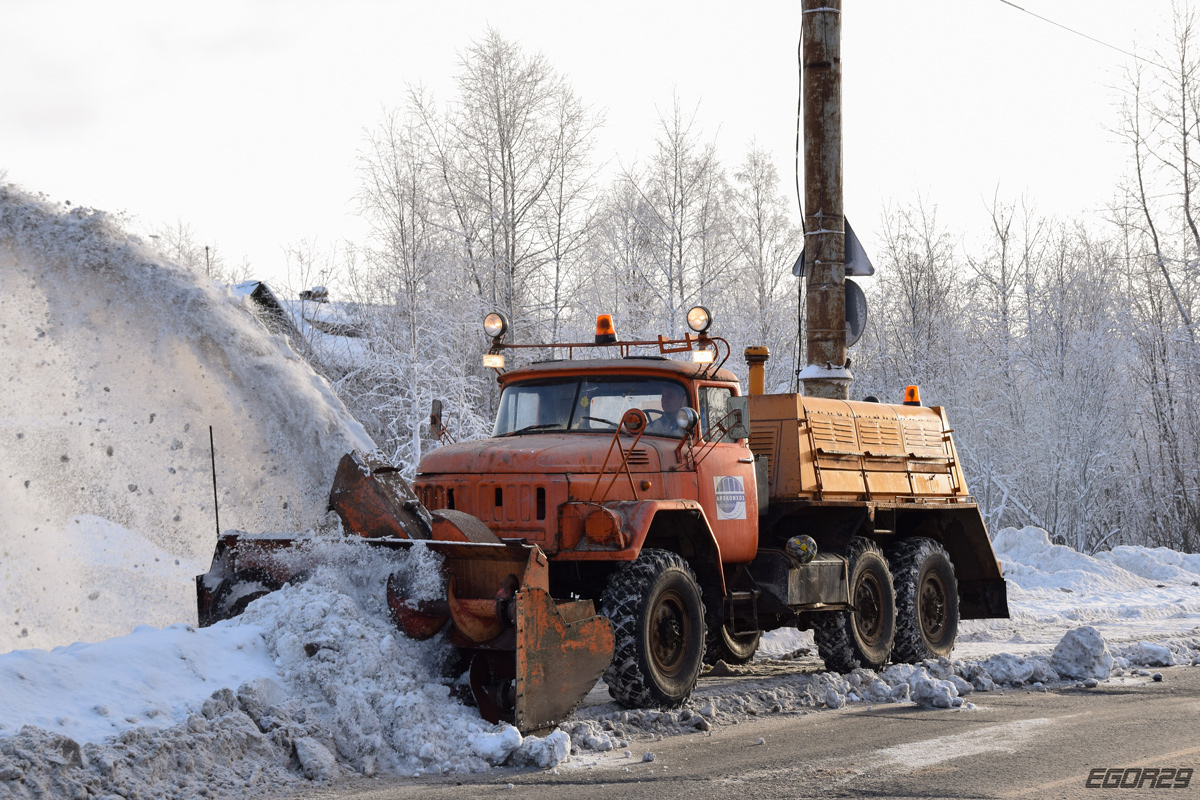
[244,120]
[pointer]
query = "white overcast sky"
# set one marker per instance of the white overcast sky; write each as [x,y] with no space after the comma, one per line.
[243,119]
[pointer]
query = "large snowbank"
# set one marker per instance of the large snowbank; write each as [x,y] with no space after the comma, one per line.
[1126,594]
[114,364]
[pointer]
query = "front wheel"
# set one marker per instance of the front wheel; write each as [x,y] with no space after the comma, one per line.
[864,635]
[657,615]
[926,600]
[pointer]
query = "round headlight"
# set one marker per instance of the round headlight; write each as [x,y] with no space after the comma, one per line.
[686,418]
[495,324]
[698,319]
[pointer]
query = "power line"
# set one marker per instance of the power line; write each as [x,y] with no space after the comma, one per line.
[1085,36]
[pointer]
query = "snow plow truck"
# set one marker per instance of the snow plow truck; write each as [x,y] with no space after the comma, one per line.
[634,515]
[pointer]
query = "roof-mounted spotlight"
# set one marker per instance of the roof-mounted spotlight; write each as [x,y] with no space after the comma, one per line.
[495,324]
[699,318]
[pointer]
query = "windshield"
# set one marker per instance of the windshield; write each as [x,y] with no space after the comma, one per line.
[589,405]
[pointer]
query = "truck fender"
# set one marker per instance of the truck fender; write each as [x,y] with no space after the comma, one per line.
[680,526]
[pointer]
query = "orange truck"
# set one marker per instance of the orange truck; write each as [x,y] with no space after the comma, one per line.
[635,515]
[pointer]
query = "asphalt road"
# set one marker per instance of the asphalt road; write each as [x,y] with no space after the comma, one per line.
[1037,744]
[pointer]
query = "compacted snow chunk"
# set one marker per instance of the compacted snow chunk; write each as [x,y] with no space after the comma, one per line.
[1082,653]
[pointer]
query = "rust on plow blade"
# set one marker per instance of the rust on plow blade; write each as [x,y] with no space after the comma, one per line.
[532,658]
[373,500]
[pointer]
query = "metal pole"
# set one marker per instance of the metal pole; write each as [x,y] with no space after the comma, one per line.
[216,507]
[826,374]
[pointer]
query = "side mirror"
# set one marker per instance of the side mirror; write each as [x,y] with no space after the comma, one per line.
[435,420]
[739,422]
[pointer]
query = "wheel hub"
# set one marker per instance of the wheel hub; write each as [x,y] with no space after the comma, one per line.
[868,606]
[931,607]
[669,632]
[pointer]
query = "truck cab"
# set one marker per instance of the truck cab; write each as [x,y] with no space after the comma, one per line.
[560,454]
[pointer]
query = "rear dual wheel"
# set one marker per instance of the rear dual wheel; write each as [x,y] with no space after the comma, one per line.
[862,636]
[926,600]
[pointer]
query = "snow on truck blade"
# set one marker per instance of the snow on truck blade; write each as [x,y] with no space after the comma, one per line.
[114,365]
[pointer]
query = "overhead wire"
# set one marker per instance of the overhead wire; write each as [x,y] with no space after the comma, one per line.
[1100,42]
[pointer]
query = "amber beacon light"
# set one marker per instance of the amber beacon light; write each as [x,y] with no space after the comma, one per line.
[912,396]
[605,332]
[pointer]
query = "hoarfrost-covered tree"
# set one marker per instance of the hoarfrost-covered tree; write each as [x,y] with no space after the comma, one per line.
[683,190]
[765,293]
[1160,225]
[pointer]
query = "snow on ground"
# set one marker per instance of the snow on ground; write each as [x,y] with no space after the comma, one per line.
[1128,594]
[113,365]
[312,682]
[1074,618]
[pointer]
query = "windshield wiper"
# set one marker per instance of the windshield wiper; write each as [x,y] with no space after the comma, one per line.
[528,428]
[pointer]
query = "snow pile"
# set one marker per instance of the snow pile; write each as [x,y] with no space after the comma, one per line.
[1032,562]
[1164,653]
[312,681]
[1129,593]
[114,365]
[151,677]
[942,683]
[1158,564]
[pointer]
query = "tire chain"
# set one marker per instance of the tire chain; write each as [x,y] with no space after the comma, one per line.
[904,558]
[831,629]
[620,602]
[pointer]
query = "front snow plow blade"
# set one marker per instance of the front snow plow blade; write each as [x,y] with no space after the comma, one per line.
[532,658]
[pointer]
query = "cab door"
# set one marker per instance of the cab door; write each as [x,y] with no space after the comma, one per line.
[727,487]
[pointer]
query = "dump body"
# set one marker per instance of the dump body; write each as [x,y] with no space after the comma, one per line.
[819,449]
[836,469]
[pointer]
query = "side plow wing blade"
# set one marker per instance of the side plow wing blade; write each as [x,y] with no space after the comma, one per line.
[562,650]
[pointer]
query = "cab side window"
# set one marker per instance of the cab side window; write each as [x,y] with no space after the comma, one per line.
[714,406]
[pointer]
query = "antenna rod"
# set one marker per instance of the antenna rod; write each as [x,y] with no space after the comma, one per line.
[213,452]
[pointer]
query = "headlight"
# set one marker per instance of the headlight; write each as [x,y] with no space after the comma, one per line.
[698,319]
[495,324]
[686,419]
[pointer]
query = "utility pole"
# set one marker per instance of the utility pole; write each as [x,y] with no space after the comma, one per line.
[825,374]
